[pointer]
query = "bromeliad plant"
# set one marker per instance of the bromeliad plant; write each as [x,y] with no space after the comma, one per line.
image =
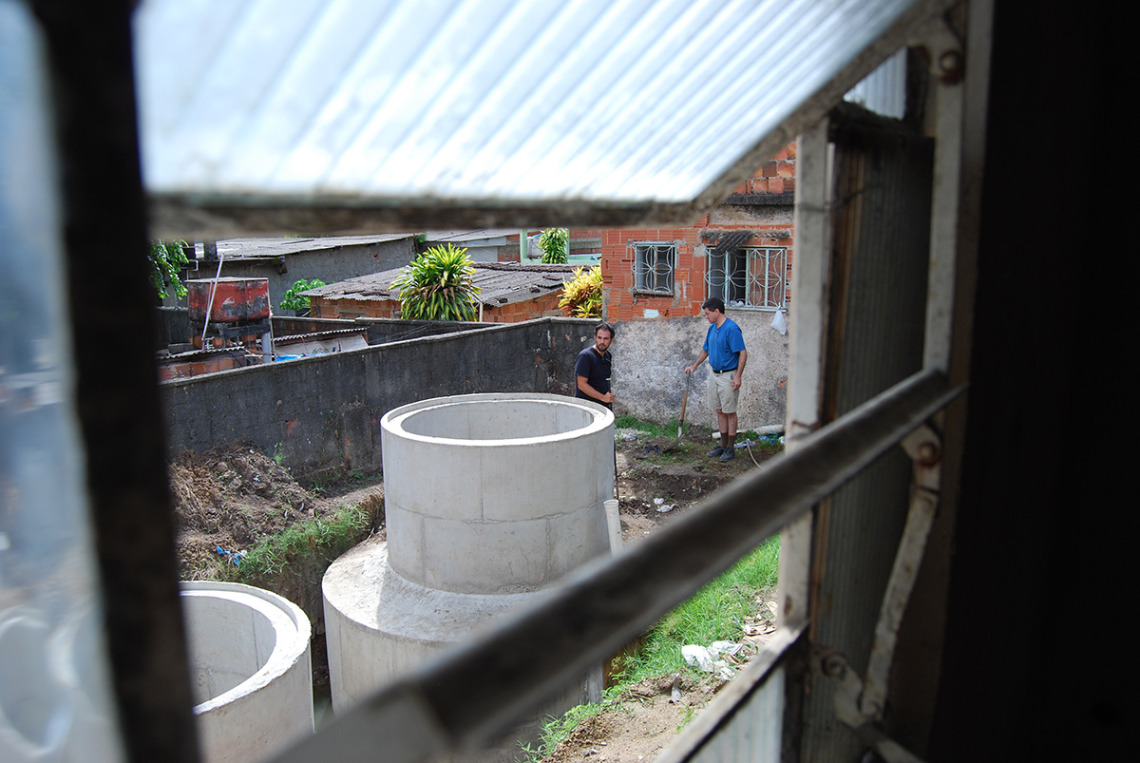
[438,286]
[582,295]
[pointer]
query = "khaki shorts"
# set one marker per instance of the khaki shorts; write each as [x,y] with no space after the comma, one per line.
[724,397]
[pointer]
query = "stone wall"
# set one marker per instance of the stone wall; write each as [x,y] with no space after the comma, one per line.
[649,378]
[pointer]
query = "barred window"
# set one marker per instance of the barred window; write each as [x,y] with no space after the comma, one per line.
[653,267]
[749,277]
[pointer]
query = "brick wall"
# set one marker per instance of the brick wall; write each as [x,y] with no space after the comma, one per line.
[539,307]
[322,307]
[761,205]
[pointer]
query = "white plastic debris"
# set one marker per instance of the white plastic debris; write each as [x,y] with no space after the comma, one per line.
[659,501]
[718,648]
[667,507]
[705,658]
[697,656]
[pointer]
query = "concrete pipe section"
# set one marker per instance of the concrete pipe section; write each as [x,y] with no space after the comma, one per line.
[250,670]
[490,499]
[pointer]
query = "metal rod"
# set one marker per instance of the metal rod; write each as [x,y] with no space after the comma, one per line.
[117,403]
[530,657]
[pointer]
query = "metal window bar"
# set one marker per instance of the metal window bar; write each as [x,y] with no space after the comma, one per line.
[767,268]
[529,658]
[653,267]
[716,275]
[750,277]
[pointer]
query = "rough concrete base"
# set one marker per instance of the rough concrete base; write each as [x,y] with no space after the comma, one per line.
[378,626]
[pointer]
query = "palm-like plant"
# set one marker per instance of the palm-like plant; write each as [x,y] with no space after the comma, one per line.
[438,286]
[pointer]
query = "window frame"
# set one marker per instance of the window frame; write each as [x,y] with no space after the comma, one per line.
[718,262]
[642,270]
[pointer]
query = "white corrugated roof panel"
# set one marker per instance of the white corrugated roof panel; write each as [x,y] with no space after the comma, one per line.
[488,101]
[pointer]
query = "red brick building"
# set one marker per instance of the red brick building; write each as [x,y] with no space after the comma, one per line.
[741,252]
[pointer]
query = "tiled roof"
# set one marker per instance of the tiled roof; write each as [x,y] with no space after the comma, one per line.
[499,283]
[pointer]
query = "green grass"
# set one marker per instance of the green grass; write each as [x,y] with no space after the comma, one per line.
[557,729]
[323,537]
[652,428]
[717,612]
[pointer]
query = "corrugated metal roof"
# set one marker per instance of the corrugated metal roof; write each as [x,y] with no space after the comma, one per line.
[246,248]
[467,236]
[603,110]
[499,283]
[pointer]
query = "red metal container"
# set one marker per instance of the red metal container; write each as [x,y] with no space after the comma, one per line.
[235,300]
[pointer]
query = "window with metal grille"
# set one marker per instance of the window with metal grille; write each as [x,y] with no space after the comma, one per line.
[749,277]
[653,268]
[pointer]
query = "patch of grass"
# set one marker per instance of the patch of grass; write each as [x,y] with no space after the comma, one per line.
[651,428]
[716,613]
[324,537]
[554,730]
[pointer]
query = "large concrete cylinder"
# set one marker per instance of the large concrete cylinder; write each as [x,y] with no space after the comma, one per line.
[489,500]
[250,668]
[495,493]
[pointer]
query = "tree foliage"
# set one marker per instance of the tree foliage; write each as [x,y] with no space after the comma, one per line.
[555,245]
[292,299]
[438,286]
[167,260]
[582,295]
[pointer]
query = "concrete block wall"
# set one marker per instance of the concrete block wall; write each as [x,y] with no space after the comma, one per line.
[322,413]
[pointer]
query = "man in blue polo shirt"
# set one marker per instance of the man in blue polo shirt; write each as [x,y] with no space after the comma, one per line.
[724,348]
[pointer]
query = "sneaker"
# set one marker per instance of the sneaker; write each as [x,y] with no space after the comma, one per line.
[727,455]
[715,452]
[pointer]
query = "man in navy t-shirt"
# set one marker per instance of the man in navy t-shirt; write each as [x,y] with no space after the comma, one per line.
[594,368]
[724,348]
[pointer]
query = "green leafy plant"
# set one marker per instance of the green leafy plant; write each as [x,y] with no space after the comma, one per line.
[438,286]
[555,245]
[167,260]
[717,612]
[582,295]
[292,299]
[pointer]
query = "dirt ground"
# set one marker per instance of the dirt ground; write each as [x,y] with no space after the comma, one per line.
[227,499]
